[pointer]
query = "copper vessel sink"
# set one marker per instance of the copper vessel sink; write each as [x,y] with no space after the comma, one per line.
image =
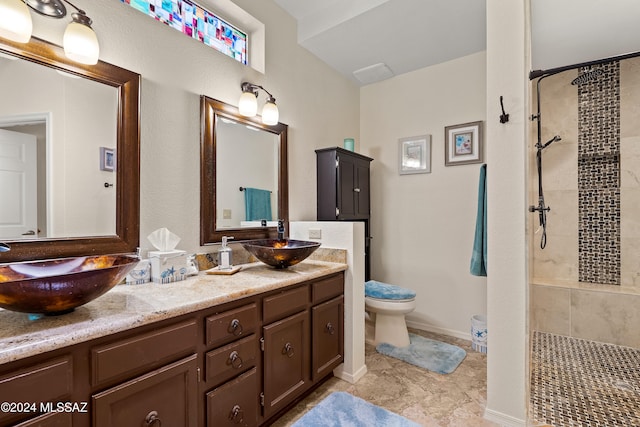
[280,253]
[57,286]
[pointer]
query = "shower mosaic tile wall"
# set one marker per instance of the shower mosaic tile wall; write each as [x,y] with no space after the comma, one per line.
[599,177]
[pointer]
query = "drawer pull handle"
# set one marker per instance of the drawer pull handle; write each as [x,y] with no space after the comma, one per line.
[288,350]
[236,360]
[357,190]
[235,327]
[330,328]
[152,419]
[236,415]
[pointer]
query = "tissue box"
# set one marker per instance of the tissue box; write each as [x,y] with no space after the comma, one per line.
[140,274]
[168,266]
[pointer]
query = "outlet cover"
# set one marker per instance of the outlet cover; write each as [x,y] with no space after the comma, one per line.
[226,214]
[315,233]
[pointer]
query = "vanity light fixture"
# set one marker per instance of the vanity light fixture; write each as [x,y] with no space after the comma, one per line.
[79,41]
[248,104]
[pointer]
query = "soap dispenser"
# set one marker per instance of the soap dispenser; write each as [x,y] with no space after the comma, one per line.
[224,255]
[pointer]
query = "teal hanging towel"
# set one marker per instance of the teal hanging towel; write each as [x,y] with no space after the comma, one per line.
[257,204]
[479,254]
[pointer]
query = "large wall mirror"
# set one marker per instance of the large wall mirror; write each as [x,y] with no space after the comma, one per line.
[69,155]
[244,181]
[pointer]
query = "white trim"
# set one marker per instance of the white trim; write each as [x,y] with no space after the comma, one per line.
[350,378]
[503,419]
[438,330]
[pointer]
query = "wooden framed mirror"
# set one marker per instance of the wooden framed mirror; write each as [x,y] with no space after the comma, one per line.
[233,149]
[123,236]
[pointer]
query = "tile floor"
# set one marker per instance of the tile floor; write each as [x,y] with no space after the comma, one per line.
[430,399]
[576,382]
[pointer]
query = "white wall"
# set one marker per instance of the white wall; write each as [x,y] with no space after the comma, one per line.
[507,154]
[423,225]
[319,105]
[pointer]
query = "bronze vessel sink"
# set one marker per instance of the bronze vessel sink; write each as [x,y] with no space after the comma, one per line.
[57,286]
[280,253]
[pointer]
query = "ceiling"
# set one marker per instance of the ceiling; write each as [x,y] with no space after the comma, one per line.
[406,35]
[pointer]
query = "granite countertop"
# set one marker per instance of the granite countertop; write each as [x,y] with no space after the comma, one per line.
[129,306]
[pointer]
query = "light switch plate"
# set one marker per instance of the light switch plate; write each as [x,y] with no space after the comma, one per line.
[315,233]
[226,214]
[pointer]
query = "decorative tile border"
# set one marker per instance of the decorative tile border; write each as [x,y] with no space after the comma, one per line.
[599,177]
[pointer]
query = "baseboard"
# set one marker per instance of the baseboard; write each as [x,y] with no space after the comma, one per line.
[437,330]
[503,419]
[348,377]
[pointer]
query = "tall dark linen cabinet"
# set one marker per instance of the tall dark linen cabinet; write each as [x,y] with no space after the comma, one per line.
[343,190]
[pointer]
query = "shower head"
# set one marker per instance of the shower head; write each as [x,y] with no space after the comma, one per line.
[541,146]
[587,76]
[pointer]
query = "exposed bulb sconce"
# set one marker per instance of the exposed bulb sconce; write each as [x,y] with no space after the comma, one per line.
[79,41]
[248,104]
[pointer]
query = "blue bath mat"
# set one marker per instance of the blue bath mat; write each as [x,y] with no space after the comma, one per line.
[341,409]
[429,354]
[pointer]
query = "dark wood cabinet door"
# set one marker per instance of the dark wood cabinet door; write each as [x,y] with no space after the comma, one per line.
[347,185]
[327,320]
[166,396]
[235,403]
[361,190]
[286,360]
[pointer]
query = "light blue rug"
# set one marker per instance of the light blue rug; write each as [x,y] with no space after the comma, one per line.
[429,354]
[341,409]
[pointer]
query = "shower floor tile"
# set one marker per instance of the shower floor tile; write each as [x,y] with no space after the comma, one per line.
[576,382]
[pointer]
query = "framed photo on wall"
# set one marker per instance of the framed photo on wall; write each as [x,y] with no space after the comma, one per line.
[107,159]
[463,144]
[414,155]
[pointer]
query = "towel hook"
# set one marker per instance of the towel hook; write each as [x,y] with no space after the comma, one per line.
[504,117]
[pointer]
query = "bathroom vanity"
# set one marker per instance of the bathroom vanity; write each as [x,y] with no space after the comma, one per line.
[210,350]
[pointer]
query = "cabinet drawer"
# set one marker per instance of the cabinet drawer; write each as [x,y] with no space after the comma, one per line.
[168,395]
[325,289]
[228,361]
[122,359]
[231,325]
[52,419]
[327,322]
[46,382]
[277,306]
[236,403]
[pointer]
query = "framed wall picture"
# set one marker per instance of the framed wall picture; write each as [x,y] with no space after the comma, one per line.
[463,144]
[107,159]
[414,155]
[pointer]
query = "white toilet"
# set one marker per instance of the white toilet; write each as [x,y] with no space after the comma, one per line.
[387,305]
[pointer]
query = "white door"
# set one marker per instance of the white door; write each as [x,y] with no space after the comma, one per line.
[18,185]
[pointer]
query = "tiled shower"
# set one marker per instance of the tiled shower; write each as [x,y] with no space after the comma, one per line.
[585,284]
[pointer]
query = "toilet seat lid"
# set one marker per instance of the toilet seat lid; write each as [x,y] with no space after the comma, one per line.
[380,290]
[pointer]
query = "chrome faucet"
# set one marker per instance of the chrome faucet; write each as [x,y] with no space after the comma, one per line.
[4,247]
[280,229]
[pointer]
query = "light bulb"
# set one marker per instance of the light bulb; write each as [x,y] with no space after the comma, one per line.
[15,21]
[248,104]
[80,41]
[270,114]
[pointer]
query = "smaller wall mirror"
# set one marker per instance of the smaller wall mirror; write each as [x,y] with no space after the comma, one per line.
[242,161]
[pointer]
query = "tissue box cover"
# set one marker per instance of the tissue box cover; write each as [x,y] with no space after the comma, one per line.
[168,266]
[140,274]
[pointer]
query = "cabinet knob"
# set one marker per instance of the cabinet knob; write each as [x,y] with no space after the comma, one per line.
[152,419]
[236,415]
[330,328]
[235,327]
[357,190]
[235,359]
[288,350]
